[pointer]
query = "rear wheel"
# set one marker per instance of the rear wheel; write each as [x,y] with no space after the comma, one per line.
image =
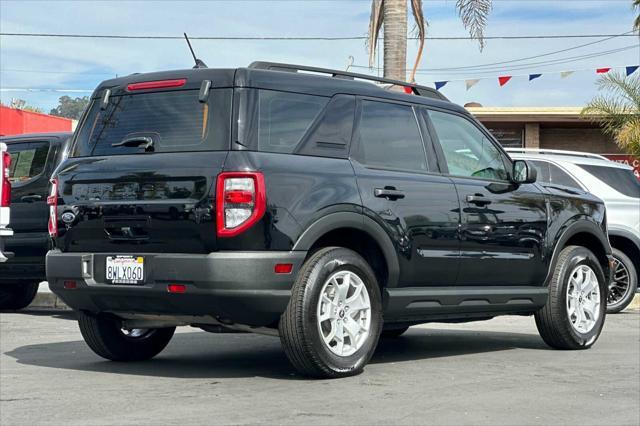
[624,283]
[333,321]
[574,314]
[17,296]
[106,337]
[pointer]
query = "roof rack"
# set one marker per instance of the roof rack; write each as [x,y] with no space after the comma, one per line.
[556,152]
[415,88]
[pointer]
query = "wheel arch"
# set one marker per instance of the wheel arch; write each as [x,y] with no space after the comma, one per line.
[627,243]
[359,233]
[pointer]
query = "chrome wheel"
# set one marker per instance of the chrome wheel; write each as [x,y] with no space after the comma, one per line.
[620,285]
[136,333]
[583,299]
[344,313]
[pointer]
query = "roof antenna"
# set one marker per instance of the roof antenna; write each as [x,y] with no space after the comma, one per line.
[199,63]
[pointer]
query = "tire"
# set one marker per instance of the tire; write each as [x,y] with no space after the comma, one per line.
[619,298]
[393,333]
[17,296]
[303,334]
[106,338]
[554,322]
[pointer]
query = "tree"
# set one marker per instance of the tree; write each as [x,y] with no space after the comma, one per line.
[636,23]
[393,14]
[70,107]
[618,110]
[22,105]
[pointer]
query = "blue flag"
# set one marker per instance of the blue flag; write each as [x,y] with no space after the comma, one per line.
[440,84]
[631,70]
[534,76]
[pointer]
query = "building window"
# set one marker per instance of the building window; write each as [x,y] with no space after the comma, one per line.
[509,136]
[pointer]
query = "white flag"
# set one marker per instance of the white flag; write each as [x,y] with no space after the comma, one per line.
[471,83]
[565,74]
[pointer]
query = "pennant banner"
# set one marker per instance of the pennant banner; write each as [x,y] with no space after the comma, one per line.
[471,83]
[602,70]
[534,76]
[631,70]
[504,80]
[440,84]
[565,74]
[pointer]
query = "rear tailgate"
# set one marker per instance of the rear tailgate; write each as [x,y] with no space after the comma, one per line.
[141,173]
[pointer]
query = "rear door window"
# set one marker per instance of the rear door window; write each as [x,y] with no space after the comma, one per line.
[389,137]
[175,121]
[552,174]
[28,161]
[622,180]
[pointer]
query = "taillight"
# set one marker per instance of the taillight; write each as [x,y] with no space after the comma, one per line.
[6,184]
[157,84]
[240,202]
[52,201]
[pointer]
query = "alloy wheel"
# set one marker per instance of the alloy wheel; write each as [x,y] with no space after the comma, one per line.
[583,299]
[620,285]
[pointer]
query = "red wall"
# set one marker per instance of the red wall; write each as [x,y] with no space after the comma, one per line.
[16,122]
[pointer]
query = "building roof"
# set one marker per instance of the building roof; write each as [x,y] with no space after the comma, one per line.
[528,114]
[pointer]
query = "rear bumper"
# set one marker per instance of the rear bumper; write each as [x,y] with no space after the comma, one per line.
[239,287]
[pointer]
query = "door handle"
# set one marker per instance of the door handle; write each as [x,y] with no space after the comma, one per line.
[31,198]
[388,192]
[478,199]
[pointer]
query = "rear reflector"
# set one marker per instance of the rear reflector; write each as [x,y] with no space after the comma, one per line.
[70,285]
[176,288]
[283,268]
[158,84]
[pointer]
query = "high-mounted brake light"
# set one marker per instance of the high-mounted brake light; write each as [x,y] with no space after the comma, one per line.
[4,180]
[158,84]
[240,202]
[52,201]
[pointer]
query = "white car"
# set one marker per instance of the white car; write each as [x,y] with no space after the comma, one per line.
[618,187]
[5,198]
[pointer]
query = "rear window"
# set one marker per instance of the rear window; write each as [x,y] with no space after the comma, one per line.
[174,121]
[622,180]
[27,161]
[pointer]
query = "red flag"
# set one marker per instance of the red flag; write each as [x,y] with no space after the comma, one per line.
[602,70]
[504,80]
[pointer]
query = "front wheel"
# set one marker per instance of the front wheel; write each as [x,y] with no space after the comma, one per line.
[106,337]
[624,283]
[574,314]
[333,321]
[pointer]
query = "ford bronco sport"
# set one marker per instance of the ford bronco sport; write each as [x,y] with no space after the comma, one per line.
[310,205]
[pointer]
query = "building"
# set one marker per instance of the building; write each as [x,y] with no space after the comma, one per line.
[16,121]
[549,128]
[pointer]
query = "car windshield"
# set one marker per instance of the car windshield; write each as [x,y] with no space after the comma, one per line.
[622,180]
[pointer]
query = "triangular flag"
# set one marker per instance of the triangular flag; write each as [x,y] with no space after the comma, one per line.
[534,76]
[565,74]
[440,84]
[631,70]
[504,79]
[602,70]
[471,83]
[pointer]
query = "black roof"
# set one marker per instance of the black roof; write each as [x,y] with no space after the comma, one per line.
[261,76]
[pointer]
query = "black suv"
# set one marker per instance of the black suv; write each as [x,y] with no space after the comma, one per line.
[34,158]
[322,209]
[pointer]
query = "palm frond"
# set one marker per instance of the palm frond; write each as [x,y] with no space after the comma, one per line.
[636,23]
[628,138]
[627,88]
[375,23]
[474,14]
[421,32]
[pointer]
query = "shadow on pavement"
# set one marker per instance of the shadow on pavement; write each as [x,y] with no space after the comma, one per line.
[204,355]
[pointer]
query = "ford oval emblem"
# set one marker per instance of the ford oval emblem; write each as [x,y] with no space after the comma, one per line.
[68,217]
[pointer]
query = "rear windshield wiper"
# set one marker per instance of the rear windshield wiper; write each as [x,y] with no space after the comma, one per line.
[136,141]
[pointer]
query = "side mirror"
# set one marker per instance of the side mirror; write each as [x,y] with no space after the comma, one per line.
[523,172]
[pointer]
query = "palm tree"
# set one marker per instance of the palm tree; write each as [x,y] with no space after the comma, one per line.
[618,111]
[393,14]
[636,23]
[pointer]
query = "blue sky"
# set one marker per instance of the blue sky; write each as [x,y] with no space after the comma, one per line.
[83,63]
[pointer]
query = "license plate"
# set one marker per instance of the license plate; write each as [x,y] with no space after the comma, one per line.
[125,270]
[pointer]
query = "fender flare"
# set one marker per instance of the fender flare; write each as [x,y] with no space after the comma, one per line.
[579,226]
[358,221]
[618,232]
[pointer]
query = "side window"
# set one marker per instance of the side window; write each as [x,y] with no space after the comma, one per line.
[560,177]
[467,150]
[27,161]
[390,137]
[542,167]
[284,119]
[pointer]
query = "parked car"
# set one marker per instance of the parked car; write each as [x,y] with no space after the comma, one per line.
[33,159]
[318,208]
[619,188]
[5,200]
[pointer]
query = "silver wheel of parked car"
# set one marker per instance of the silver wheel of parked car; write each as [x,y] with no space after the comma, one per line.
[344,313]
[620,285]
[136,333]
[583,299]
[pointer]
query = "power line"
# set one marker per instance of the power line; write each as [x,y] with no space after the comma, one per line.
[302,38]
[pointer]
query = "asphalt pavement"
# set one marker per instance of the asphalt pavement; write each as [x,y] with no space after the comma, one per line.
[492,372]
